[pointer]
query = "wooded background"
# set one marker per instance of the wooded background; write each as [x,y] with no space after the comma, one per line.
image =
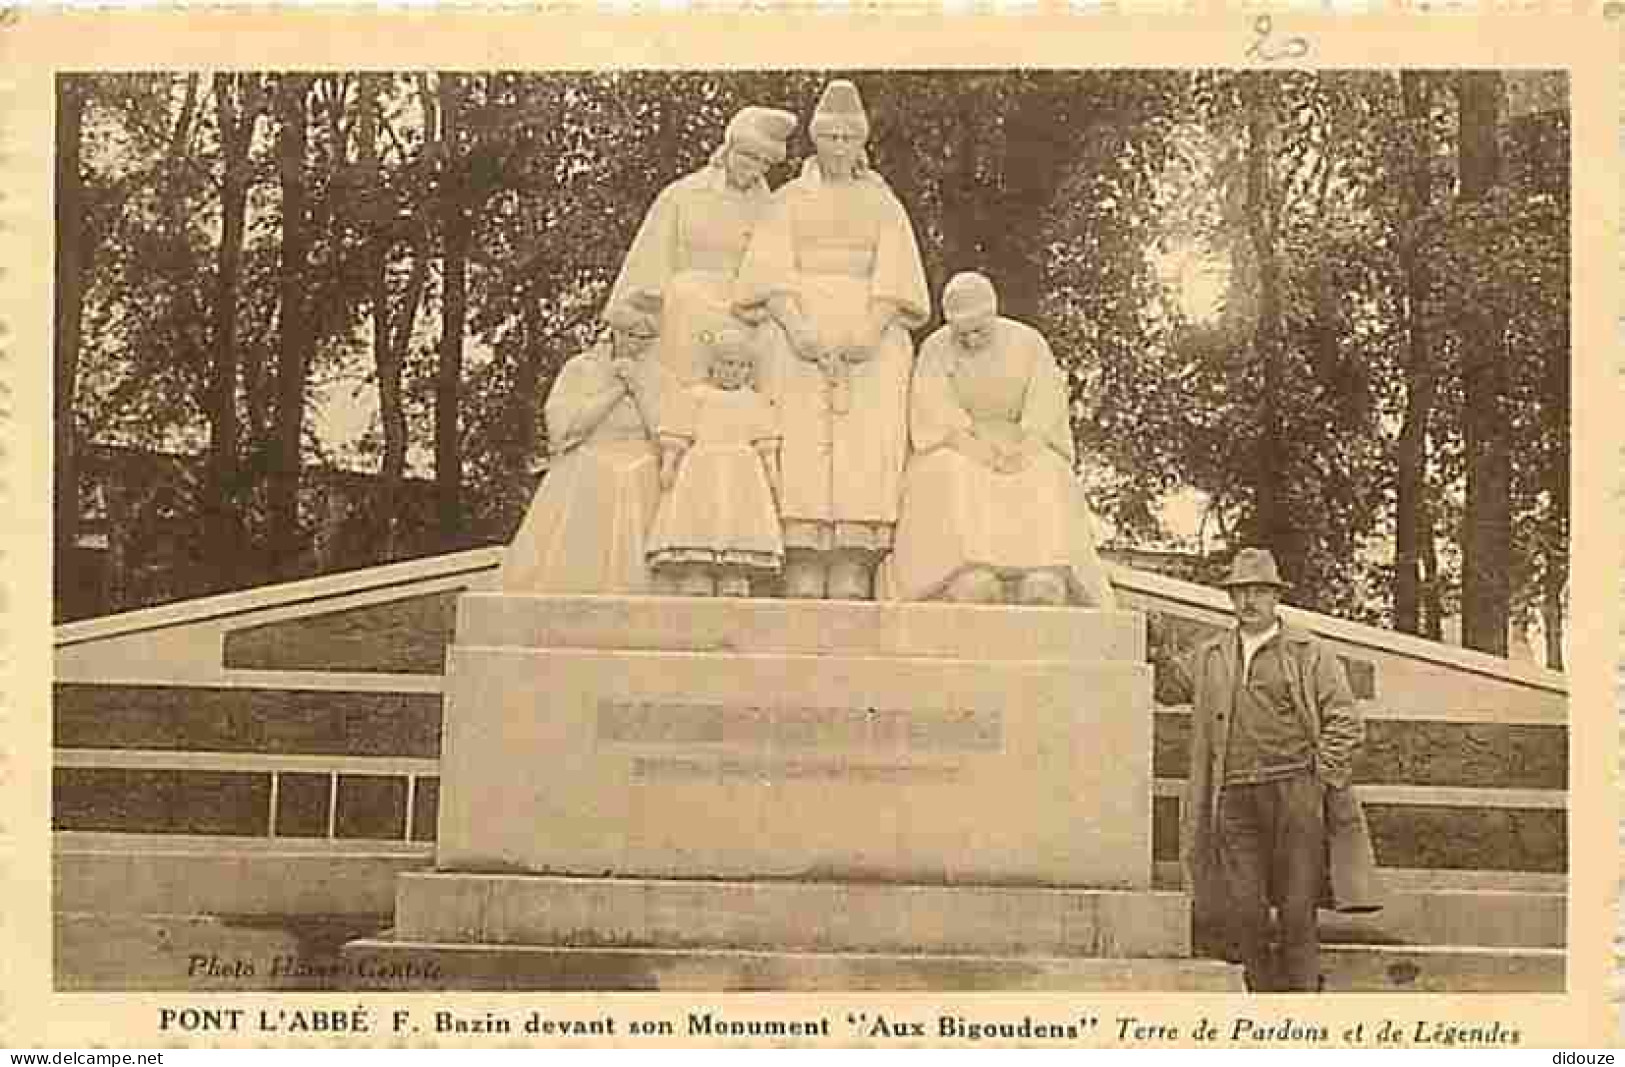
[1378,388]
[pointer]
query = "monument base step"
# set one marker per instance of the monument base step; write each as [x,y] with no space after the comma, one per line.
[1482,917]
[869,917]
[1443,969]
[532,968]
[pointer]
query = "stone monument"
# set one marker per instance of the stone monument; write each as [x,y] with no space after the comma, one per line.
[740,792]
[671,791]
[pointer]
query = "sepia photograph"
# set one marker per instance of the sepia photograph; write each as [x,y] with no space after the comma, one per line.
[825,529]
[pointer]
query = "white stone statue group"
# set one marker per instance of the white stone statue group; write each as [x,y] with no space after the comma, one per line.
[757,417]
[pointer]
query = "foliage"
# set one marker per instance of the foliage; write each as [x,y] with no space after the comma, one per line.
[1073,189]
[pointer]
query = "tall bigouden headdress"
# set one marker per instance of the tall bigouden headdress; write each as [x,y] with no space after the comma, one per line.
[969,295]
[840,108]
[765,129]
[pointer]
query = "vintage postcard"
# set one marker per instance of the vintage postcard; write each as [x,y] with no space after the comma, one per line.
[810,529]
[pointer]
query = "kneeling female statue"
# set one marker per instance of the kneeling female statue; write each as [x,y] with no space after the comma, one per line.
[586,529]
[991,510]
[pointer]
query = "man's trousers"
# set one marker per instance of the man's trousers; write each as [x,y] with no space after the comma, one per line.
[1272,849]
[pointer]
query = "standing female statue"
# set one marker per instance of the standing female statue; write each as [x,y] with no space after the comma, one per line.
[688,249]
[836,267]
[587,527]
[991,509]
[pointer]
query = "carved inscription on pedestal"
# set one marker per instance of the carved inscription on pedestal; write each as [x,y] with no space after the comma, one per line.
[768,771]
[769,743]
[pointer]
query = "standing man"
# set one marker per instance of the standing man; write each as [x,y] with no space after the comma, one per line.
[1274,736]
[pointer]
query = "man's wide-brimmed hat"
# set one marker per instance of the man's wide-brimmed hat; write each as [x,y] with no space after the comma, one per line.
[1253,566]
[840,108]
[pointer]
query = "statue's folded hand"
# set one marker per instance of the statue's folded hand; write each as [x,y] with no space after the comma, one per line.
[975,449]
[862,349]
[808,345]
[1018,454]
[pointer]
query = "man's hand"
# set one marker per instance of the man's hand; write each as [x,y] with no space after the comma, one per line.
[1330,779]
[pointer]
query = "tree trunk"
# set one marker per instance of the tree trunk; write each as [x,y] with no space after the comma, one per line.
[1409,534]
[1551,607]
[1432,593]
[1487,522]
[72,255]
[295,338]
[120,540]
[455,225]
[390,338]
[172,200]
[527,386]
[389,353]
[1420,382]
[385,518]
[1271,518]
[669,131]
[236,114]
[182,134]
[1041,147]
[1555,539]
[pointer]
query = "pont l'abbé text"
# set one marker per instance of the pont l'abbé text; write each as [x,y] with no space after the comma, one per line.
[315,1021]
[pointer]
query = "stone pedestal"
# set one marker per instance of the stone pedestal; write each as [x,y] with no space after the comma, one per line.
[697,738]
[716,775]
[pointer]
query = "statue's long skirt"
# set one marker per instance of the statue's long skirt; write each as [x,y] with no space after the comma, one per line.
[587,529]
[958,515]
[842,468]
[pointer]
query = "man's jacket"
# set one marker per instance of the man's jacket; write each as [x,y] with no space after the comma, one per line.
[1321,697]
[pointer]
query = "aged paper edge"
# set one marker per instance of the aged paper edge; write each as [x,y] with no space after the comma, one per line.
[36,44]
